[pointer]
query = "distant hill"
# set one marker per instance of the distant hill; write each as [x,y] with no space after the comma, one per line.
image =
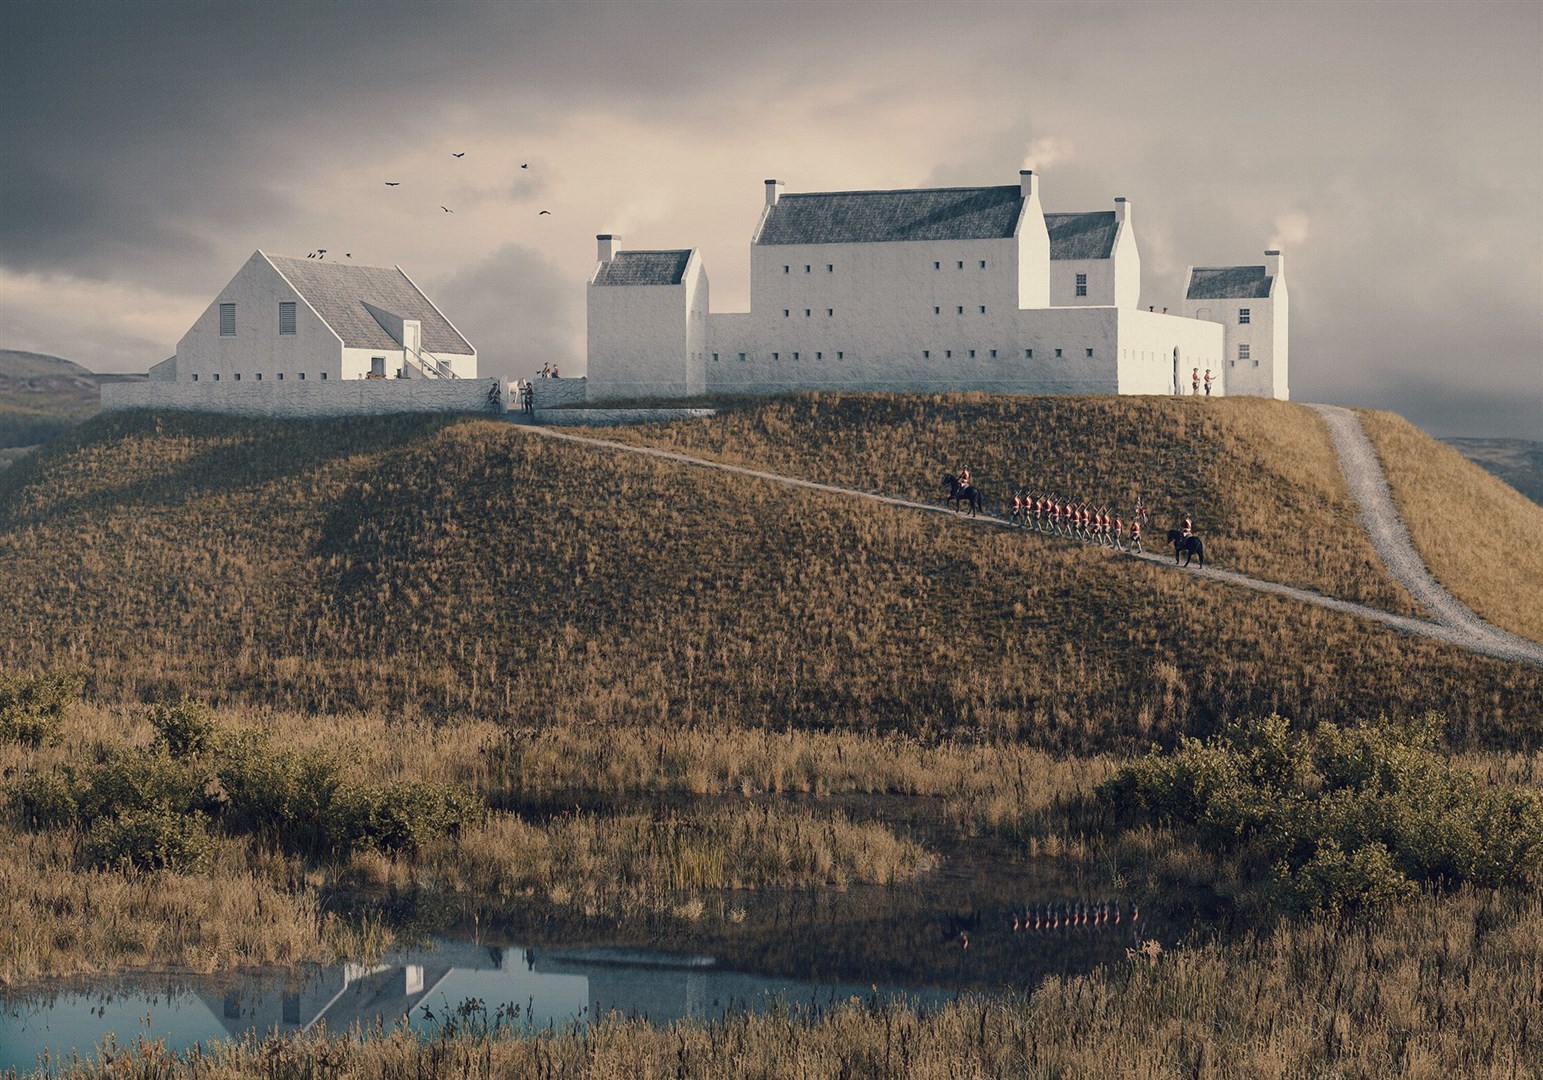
[41,397]
[1519,462]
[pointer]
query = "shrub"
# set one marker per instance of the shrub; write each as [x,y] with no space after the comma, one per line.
[153,838]
[184,727]
[43,801]
[32,707]
[1347,818]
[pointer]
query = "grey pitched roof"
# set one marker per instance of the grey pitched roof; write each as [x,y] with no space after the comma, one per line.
[339,291]
[1082,236]
[873,217]
[1228,283]
[645,268]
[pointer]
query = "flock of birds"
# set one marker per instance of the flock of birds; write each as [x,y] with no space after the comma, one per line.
[321,253]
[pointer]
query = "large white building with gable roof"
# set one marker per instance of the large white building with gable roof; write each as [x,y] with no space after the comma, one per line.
[918,290]
[1252,306]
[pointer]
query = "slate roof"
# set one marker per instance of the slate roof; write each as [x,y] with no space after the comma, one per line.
[1082,236]
[339,291]
[1228,283]
[876,217]
[645,268]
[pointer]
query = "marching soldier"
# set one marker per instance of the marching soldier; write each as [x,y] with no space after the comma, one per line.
[1135,535]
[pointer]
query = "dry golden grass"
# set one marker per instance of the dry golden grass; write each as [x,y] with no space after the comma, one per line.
[1260,477]
[1446,988]
[440,568]
[1479,536]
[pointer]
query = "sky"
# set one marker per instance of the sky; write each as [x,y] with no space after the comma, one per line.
[1393,151]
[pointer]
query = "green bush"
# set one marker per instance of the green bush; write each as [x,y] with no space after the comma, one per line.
[1346,818]
[184,727]
[43,801]
[152,838]
[32,707]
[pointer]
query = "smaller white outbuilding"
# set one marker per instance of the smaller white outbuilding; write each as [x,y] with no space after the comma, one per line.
[285,319]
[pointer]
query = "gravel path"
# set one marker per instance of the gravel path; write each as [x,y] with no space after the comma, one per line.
[1369,486]
[1488,641]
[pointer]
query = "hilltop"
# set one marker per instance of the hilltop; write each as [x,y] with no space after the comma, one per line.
[40,397]
[450,565]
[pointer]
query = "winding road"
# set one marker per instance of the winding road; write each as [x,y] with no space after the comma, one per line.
[1453,623]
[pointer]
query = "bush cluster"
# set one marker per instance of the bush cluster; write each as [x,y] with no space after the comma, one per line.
[1343,818]
[153,809]
[32,707]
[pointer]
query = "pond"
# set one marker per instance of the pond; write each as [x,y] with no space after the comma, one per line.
[556,985]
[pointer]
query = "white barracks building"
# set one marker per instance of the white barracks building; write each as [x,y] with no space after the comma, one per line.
[927,290]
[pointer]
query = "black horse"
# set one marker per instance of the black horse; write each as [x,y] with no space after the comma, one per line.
[1187,545]
[958,493]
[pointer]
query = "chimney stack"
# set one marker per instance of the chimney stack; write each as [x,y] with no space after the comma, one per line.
[1274,264]
[609,245]
[1027,183]
[1121,209]
[773,192]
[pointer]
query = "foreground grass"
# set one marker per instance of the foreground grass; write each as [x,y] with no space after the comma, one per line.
[1479,536]
[1443,987]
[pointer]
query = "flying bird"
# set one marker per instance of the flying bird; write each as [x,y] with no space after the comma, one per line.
[348,254]
[461,154]
[393,183]
[525,166]
[544,212]
[447,209]
[312,255]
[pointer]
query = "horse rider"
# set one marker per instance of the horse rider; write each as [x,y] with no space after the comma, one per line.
[964,477]
[1189,527]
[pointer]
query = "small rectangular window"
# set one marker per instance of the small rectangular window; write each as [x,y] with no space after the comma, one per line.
[926,354]
[741,356]
[195,376]
[286,316]
[1242,352]
[819,356]
[937,311]
[227,320]
[787,269]
[937,266]
[776,356]
[840,355]
[830,268]
[983,264]
[259,376]
[216,376]
[1028,354]
[1256,363]
[1058,354]
[715,358]
[280,376]
[830,313]
[993,354]
[786,313]
[972,354]
[1242,316]
[948,354]
[1082,284]
[983,309]
[807,313]
[807,269]
[324,376]
[238,376]
[1232,363]
[961,264]
[301,376]
[961,309]
[795,356]
[1090,352]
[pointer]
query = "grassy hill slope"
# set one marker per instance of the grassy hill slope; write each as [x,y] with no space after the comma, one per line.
[1479,536]
[434,565]
[1259,477]
[41,397]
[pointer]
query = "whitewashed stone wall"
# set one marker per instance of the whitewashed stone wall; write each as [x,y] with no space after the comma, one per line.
[350,397]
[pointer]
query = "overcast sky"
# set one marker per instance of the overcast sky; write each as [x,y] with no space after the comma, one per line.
[1394,151]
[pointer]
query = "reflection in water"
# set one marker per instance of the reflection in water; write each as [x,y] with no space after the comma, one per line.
[915,945]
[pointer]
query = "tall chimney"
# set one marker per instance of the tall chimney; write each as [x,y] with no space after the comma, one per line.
[609,245]
[1274,264]
[773,192]
[1027,183]
[1121,209]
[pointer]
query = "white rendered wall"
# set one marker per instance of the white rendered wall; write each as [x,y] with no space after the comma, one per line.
[639,341]
[1147,344]
[1280,350]
[1256,376]
[335,397]
[695,282]
[1127,268]
[258,347]
[1033,242]
[1063,282]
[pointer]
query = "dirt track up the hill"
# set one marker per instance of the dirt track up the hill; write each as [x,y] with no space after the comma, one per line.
[1486,641]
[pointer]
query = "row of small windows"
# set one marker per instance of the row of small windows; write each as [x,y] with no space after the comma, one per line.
[259,376]
[1028,354]
[958,310]
[787,313]
[840,354]
[286,319]
[958,264]
[830,268]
